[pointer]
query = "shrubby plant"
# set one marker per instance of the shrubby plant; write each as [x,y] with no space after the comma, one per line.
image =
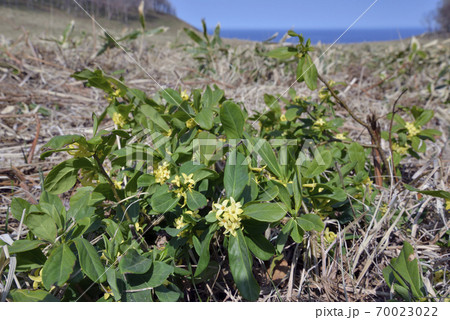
[183,179]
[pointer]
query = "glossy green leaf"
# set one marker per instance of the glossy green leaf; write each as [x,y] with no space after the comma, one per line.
[284,235]
[232,120]
[260,246]
[267,212]
[90,261]
[24,246]
[132,262]
[241,267]
[310,73]
[63,177]
[42,226]
[236,175]
[310,222]
[195,200]
[25,295]
[59,266]
[282,53]
[405,271]
[163,203]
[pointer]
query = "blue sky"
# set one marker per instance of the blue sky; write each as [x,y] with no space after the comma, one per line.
[312,14]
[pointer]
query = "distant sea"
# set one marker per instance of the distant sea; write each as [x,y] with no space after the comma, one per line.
[326,36]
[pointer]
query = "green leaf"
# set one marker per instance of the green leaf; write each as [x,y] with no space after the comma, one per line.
[310,73]
[424,118]
[163,203]
[168,294]
[310,222]
[59,266]
[29,260]
[202,249]
[155,117]
[260,246]
[194,36]
[90,261]
[284,235]
[171,96]
[24,245]
[322,160]
[25,295]
[18,205]
[266,212]
[267,154]
[42,226]
[132,262]
[434,193]
[406,271]
[236,175]
[232,120]
[111,276]
[63,177]
[196,200]
[205,118]
[158,273]
[297,233]
[357,155]
[241,267]
[282,53]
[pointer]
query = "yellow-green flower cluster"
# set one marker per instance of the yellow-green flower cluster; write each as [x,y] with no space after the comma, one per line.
[79,150]
[319,123]
[184,95]
[191,123]
[399,149]
[180,223]
[340,136]
[412,129]
[187,184]
[283,117]
[162,173]
[329,236]
[228,213]
[119,119]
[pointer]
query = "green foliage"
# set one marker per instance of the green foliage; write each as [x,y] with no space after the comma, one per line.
[196,169]
[404,275]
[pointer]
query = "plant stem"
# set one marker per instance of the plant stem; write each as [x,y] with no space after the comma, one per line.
[113,187]
[371,131]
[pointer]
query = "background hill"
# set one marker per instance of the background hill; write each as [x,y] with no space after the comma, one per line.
[50,17]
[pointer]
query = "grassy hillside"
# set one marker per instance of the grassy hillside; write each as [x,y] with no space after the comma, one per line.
[14,21]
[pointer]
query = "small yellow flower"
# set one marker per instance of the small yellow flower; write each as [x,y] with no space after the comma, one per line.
[229,216]
[193,214]
[184,95]
[447,204]
[138,227]
[108,293]
[310,185]
[412,129]
[79,151]
[179,223]
[329,235]
[36,278]
[162,173]
[191,123]
[399,149]
[283,117]
[117,184]
[119,119]
[188,179]
[168,133]
[323,94]
[319,123]
[176,181]
[340,136]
